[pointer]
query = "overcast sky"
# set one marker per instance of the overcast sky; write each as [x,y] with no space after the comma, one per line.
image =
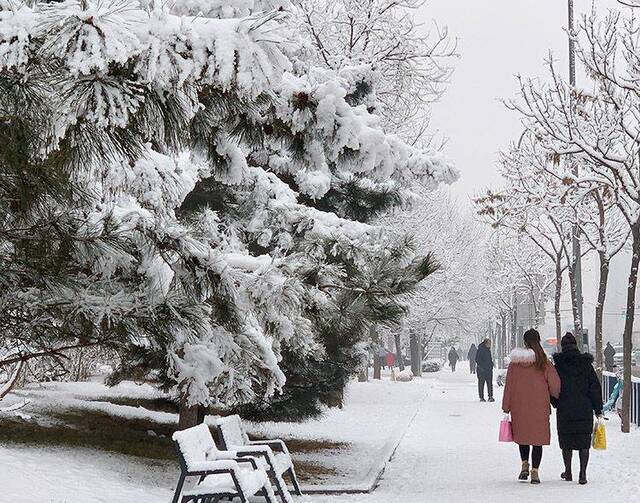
[497,40]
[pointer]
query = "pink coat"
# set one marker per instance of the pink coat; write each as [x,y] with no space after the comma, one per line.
[527,397]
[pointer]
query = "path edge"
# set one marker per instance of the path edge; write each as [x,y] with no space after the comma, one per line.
[375,473]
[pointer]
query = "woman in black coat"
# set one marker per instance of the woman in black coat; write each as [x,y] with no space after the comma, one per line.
[580,398]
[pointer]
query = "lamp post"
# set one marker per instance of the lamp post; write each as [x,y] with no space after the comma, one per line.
[577,252]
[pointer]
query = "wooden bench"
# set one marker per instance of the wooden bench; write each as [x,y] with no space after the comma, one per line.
[274,453]
[221,474]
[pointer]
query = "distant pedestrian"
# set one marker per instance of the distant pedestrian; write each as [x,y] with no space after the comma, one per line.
[390,359]
[531,380]
[580,398]
[453,358]
[609,361]
[471,355]
[382,353]
[615,399]
[484,368]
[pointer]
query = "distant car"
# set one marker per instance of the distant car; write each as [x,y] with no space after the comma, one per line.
[432,365]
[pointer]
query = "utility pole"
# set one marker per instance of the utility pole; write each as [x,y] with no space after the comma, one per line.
[577,252]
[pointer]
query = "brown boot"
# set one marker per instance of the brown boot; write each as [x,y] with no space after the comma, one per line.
[524,473]
[535,478]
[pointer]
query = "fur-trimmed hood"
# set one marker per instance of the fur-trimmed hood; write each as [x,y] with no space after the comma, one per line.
[522,356]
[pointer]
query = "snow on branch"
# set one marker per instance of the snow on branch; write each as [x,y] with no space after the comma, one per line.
[12,378]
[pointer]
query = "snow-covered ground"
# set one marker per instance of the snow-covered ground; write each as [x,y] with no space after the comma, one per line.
[450,453]
[376,412]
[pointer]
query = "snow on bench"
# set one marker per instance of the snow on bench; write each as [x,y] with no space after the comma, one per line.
[274,453]
[222,473]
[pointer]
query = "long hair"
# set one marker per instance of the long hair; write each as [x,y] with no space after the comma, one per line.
[532,341]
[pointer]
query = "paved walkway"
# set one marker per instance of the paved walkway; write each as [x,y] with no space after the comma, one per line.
[451,454]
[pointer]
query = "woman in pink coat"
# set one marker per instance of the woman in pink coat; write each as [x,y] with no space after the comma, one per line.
[531,381]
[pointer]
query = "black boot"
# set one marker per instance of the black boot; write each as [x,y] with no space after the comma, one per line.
[567,454]
[584,461]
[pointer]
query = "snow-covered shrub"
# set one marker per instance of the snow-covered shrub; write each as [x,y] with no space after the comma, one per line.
[432,365]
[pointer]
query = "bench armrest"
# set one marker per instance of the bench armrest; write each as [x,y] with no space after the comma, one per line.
[263,453]
[243,450]
[222,455]
[213,466]
[249,460]
[275,444]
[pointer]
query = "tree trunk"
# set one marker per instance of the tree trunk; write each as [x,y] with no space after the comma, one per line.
[377,345]
[505,350]
[577,322]
[628,328]
[416,356]
[556,306]
[189,415]
[399,352]
[514,321]
[377,363]
[602,295]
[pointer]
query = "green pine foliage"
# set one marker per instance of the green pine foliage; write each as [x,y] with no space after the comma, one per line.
[187,194]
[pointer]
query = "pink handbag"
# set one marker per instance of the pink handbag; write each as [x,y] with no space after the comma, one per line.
[506,433]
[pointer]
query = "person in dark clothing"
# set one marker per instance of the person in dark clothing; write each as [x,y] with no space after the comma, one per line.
[484,364]
[471,355]
[580,398]
[453,358]
[609,353]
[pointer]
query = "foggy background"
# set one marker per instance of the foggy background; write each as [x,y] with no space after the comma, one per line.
[499,39]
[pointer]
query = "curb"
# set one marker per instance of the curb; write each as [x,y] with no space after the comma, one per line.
[375,473]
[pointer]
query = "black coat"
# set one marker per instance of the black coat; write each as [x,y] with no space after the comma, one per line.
[484,360]
[453,356]
[580,397]
[471,355]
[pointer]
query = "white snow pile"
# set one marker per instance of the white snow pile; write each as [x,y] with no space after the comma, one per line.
[405,375]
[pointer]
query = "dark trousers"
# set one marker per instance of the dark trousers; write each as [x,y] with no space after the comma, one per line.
[452,364]
[472,366]
[485,377]
[536,454]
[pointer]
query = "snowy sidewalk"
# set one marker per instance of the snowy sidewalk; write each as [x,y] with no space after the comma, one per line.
[451,454]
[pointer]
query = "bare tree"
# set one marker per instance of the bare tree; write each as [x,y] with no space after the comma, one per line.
[533,204]
[600,127]
[452,301]
[413,63]
[603,226]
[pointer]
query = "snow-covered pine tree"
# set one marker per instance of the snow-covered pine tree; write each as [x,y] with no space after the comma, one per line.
[129,109]
[111,113]
[328,153]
